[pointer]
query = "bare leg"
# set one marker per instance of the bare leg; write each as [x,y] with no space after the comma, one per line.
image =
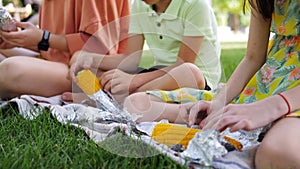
[27,75]
[280,147]
[153,109]
[185,75]
[18,52]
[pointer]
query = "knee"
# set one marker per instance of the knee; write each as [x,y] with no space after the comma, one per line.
[196,74]
[265,149]
[137,103]
[266,152]
[9,72]
[275,152]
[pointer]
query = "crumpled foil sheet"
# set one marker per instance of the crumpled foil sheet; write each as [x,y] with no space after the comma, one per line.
[6,21]
[207,145]
[105,102]
[204,147]
[247,138]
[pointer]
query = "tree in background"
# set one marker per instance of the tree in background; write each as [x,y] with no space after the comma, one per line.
[230,13]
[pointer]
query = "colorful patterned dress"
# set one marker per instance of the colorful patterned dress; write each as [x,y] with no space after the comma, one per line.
[281,71]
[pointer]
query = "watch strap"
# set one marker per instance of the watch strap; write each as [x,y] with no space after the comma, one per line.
[44,43]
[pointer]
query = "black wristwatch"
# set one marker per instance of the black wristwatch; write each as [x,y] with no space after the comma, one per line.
[44,43]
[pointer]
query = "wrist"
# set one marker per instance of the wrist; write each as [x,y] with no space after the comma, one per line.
[285,105]
[136,83]
[44,43]
[97,59]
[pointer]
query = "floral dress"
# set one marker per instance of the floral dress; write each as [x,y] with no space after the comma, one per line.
[281,71]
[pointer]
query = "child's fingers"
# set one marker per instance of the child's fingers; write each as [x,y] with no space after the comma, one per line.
[107,86]
[200,106]
[202,123]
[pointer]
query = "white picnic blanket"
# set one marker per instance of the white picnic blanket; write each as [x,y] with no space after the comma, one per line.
[100,125]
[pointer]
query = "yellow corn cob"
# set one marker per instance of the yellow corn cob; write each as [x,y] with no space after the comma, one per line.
[88,82]
[235,143]
[170,134]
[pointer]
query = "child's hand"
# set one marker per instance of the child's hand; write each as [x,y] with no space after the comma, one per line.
[29,36]
[195,112]
[5,45]
[118,82]
[245,116]
[80,60]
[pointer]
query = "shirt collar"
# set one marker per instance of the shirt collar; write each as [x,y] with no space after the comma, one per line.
[171,12]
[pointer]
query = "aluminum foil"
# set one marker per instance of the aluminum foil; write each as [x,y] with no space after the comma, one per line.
[6,21]
[209,144]
[246,138]
[105,102]
[204,147]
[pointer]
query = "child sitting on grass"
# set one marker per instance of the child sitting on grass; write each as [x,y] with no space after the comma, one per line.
[263,90]
[181,36]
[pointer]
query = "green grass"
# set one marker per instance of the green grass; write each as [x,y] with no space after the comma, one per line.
[45,143]
[231,55]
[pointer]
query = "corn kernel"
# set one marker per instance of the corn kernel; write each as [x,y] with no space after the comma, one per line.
[88,82]
[170,134]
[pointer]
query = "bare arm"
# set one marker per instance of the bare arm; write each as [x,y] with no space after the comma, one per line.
[127,61]
[58,42]
[255,57]
[257,114]
[292,97]
[30,36]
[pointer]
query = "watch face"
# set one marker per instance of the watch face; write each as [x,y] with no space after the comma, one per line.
[43,46]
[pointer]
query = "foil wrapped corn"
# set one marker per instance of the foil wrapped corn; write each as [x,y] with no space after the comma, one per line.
[88,82]
[170,134]
[91,86]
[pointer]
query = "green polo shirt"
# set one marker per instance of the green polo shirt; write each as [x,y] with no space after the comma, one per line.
[163,33]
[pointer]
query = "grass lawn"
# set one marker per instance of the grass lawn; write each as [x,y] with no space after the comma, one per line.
[232,54]
[45,143]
